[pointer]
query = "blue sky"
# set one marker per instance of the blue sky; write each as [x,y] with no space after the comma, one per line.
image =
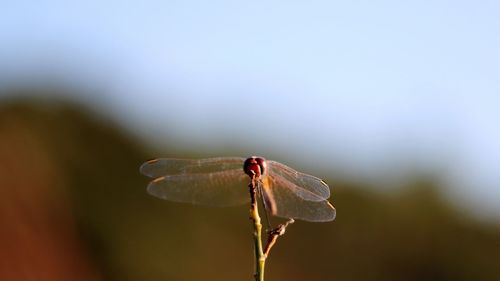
[372,90]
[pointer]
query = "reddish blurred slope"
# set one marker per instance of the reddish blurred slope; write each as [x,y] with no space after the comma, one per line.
[38,234]
[73,207]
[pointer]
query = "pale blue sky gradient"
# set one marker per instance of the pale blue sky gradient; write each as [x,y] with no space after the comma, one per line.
[368,90]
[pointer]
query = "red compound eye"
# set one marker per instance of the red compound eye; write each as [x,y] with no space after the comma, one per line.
[255,166]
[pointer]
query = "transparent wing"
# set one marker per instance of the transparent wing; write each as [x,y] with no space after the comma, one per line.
[283,201]
[306,186]
[223,188]
[171,166]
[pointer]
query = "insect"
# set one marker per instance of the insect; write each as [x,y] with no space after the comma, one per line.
[222,181]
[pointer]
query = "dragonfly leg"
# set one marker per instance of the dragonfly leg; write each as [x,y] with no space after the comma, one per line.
[266,208]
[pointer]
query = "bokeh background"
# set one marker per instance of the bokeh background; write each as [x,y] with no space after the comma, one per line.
[395,104]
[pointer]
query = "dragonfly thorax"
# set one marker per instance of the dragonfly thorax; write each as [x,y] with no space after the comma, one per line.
[255,166]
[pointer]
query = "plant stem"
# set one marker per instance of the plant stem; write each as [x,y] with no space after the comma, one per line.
[274,234]
[260,258]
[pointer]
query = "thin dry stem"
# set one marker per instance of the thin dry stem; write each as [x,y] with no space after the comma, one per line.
[260,254]
[260,258]
[274,234]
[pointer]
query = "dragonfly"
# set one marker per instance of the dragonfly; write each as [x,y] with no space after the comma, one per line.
[222,181]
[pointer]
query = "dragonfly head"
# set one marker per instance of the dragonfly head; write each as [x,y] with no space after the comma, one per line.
[255,166]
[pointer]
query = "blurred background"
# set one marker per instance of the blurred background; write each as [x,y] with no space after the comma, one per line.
[396,105]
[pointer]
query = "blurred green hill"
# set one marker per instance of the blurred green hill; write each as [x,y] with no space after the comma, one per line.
[74,207]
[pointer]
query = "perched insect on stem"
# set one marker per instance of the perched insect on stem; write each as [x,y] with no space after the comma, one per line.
[220,181]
